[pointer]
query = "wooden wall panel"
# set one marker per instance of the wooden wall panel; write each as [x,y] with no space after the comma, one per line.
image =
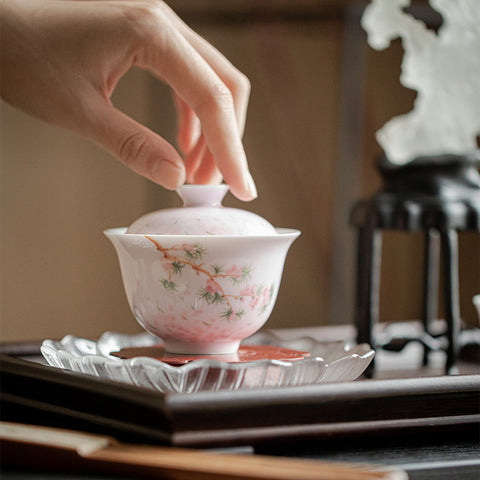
[59,272]
[290,141]
[318,95]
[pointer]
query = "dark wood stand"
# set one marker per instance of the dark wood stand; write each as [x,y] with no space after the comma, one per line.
[439,196]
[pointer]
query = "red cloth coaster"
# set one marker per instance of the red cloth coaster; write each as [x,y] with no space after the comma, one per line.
[247,353]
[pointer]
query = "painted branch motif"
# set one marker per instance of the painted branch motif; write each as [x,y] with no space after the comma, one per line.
[190,255]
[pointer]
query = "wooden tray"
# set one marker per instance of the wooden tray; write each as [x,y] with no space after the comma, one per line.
[37,394]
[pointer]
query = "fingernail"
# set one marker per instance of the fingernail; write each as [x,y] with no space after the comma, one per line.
[251,188]
[169,174]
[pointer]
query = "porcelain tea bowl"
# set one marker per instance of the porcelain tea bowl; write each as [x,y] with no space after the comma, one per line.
[204,290]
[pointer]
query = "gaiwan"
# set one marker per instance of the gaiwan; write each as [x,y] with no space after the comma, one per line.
[201,277]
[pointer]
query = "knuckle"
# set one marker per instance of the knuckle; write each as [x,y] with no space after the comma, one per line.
[132,149]
[144,16]
[242,84]
[222,96]
[218,97]
[237,82]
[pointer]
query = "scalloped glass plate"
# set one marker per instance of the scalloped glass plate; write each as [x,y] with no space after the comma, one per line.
[328,362]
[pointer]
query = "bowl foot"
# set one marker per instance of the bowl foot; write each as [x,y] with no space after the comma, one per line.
[201,348]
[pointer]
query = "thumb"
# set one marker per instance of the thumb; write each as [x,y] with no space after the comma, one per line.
[140,149]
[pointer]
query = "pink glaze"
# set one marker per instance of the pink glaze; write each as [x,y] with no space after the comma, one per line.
[201,293]
[202,214]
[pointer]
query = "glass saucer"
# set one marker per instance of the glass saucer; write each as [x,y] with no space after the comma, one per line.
[328,362]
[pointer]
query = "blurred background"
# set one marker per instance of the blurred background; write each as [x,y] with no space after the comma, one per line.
[319,93]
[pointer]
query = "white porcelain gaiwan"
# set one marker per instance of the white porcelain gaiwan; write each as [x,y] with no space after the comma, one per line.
[201,277]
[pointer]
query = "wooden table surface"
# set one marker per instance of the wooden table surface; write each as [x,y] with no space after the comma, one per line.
[447,454]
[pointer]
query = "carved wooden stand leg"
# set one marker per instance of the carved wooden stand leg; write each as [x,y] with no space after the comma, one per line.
[430,285]
[440,196]
[449,246]
[369,257]
[369,250]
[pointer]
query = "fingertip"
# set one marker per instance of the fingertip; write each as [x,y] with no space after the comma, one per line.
[186,141]
[193,160]
[188,126]
[246,191]
[208,171]
[169,174]
[250,186]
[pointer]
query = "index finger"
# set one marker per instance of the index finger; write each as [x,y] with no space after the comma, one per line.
[236,82]
[170,56]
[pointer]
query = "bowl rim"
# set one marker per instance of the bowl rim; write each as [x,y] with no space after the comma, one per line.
[280,232]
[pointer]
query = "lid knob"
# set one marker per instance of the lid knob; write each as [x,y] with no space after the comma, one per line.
[202,195]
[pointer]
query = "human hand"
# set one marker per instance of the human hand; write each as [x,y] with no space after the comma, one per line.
[62,59]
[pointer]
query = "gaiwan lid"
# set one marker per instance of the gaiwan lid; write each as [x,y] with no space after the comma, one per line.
[202,214]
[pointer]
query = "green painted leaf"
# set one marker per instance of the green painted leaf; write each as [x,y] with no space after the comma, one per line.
[216,269]
[169,285]
[196,252]
[226,314]
[210,298]
[177,267]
